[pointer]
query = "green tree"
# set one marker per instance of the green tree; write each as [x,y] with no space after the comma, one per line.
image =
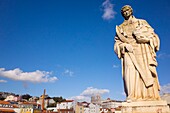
[26,96]
[2,98]
[58,99]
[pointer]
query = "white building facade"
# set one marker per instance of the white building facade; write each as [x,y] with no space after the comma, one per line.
[10,98]
[94,108]
[111,104]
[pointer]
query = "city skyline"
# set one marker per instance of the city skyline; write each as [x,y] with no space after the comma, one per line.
[66,47]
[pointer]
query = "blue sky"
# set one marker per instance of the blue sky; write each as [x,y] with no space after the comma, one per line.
[66,47]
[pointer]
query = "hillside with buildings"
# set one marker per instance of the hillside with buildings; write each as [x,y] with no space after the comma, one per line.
[15,103]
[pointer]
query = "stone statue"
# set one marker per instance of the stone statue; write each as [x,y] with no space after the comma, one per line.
[136,44]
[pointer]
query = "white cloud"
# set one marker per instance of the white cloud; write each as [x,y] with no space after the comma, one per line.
[109,13]
[81,98]
[3,81]
[90,91]
[68,72]
[64,71]
[163,55]
[36,76]
[165,88]
[115,66]
[123,93]
[87,93]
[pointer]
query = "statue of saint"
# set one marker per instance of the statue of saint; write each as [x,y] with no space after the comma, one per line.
[136,45]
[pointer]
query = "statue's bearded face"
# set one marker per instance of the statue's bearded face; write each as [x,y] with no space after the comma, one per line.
[126,12]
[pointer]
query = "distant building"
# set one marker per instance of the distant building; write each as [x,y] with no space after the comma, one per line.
[66,106]
[15,98]
[85,104]
[6,107]
[111,104]
[85,107]
[86,110]
[105,110]
[166,96]
[47,102]
[52,109]
[29,107]
[18,98]
[33,99]
[5,94]
[94,108]
[10,98]
[96,99]
[79,108]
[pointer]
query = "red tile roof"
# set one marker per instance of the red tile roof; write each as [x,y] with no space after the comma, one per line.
[33,103]
[7,110]
[4,102]
[68,101]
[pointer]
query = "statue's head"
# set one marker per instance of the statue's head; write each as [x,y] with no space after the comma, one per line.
[126,11]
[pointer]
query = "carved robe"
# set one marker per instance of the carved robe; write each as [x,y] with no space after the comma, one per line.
[139,65]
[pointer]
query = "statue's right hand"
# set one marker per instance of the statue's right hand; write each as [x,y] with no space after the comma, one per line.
[129,48]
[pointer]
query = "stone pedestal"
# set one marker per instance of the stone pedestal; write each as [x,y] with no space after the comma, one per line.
[145,107]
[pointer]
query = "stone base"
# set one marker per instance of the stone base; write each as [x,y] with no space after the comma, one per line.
[145,107]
